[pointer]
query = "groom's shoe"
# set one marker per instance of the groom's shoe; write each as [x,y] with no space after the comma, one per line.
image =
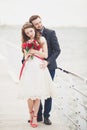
[39,119]
[47,121]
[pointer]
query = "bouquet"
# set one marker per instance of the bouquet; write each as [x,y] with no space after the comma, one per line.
[28,45]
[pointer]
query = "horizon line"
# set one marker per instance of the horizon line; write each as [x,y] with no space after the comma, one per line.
[62,26]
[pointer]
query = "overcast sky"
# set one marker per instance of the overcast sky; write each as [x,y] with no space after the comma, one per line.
[53,12]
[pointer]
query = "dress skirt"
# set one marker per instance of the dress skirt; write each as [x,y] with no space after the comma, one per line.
[35,82]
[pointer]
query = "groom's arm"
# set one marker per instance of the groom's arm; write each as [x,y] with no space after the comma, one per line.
[55,47]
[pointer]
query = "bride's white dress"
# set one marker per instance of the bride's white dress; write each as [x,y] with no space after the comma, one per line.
[35,82]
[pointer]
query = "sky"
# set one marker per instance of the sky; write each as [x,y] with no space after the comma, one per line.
[53,12]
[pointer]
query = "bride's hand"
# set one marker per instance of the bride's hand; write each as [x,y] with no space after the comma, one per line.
[32,51]
[27,55]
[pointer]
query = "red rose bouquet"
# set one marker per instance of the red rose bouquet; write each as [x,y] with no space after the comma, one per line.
[28,45]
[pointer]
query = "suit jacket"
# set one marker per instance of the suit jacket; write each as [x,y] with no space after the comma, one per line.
[53,47]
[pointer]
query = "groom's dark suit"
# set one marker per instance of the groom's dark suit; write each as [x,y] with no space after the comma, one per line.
[53,52]
[53,47]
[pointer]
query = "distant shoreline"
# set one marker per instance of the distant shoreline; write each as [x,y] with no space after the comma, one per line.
[13,26]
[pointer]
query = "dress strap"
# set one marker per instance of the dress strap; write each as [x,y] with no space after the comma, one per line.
[39,57]
[23,65]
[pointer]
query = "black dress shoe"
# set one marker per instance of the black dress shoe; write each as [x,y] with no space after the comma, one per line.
[39,119]
[47,121]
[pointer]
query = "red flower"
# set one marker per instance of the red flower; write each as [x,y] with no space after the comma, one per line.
[29,45]
[24,45]
[35,45]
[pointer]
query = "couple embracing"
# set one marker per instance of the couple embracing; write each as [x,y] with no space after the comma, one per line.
[40,49]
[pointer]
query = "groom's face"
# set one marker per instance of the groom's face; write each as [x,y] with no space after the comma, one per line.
[37,23]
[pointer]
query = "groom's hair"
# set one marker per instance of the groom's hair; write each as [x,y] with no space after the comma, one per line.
[33,17]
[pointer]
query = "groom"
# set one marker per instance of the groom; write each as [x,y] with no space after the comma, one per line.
[50,62]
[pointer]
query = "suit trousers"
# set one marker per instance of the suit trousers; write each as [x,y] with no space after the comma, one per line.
[47,103]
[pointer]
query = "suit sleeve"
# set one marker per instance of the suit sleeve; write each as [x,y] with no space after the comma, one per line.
[55,48]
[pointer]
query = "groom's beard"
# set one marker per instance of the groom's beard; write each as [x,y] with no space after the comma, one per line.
[40,30]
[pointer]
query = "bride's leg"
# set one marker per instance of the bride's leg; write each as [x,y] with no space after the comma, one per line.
[30,107]
[36,108]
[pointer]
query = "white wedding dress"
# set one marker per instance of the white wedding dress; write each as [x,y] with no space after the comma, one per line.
[35,82]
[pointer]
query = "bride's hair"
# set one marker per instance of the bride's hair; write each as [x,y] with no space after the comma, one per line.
[24,36]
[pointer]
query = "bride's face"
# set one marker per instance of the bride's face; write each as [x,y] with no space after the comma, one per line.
[30,32]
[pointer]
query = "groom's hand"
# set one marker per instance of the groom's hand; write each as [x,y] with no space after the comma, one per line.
[44,64]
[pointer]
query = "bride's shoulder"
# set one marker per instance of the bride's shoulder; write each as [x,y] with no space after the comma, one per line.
[42,39]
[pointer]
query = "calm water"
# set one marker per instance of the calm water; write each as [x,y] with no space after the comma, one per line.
[73,43]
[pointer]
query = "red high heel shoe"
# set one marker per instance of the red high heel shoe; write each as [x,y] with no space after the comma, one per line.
[33,124]
[31,113]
